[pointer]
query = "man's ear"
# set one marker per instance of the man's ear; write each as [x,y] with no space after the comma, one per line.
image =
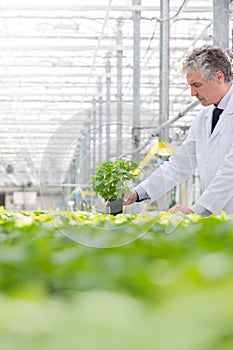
[220,76]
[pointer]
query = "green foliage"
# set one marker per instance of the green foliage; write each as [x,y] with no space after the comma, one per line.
[134,254]
[130,281]
[110,178]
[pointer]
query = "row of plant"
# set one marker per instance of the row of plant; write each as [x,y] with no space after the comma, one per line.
[88,281]
[129,253]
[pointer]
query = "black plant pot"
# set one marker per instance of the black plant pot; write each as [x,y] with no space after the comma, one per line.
[116,206]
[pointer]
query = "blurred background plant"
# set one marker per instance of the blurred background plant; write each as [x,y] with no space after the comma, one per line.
[172,291]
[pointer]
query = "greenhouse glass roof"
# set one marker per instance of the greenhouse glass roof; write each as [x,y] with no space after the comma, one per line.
[59,58]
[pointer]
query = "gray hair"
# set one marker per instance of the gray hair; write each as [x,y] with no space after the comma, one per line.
[209,59]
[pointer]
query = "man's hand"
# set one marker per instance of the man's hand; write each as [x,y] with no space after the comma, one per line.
[130,198]
[180,208]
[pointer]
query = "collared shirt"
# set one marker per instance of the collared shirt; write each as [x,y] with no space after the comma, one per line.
[226,98]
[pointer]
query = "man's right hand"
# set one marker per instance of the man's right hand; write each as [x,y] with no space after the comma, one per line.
[131,197]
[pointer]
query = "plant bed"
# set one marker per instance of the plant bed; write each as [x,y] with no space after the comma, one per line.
[56,292]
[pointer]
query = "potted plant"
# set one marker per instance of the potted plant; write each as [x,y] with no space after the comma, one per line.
[110,182]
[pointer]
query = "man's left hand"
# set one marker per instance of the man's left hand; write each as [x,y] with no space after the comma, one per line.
[180,208]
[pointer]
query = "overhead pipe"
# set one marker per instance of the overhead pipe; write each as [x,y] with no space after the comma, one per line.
[163,126]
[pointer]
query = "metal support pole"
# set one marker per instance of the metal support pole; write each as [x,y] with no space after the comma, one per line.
[86,158]
[76,164]
[119,90]
[81,158]
[73,173]
[77,168]
[100,141]
[164,68]
[231,39]
[94,134]
[108,110]
[91,159]
[67,190]
[221,23]
[136,77]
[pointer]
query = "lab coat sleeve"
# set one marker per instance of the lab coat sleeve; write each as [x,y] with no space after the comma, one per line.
[200,210]
[177,169]
[142,194]
[220,190]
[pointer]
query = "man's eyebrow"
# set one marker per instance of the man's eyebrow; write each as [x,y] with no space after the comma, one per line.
[195,82]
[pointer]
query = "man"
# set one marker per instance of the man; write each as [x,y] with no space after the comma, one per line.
[208,147]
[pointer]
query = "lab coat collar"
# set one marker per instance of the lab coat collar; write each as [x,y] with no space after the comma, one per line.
[225,118]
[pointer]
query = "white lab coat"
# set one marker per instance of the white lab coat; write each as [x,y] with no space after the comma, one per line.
[212,154]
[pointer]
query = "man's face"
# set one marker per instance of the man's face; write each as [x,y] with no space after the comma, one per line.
[207,92]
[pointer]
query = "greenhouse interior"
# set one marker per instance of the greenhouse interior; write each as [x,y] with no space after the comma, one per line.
[83,83]
[87,83]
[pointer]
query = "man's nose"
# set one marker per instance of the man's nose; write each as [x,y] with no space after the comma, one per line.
[193,91]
